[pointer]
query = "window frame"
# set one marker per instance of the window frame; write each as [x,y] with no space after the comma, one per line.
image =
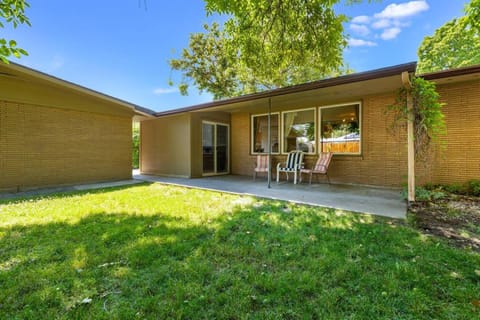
[252,133]
[319,131]
[315,122]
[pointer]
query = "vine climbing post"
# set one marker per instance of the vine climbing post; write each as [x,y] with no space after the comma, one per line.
[410,137]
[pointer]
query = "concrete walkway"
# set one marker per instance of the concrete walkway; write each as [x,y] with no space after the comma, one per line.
[80,187]
[382,202]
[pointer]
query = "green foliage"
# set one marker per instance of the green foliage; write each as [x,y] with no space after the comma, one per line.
[12,12]
[263,45]
[428,119]
[473,187]
[154,251]
[472,11]
[135,145]
[424,194]
[453,45]
[456,188]
[429,191]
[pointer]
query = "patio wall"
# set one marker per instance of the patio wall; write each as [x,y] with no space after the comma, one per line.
[166,146]
[172,145]
[383,161]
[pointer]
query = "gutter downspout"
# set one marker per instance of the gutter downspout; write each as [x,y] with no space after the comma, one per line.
[410,138]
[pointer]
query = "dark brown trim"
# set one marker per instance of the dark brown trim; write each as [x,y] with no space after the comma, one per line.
[451,73]
[330,82]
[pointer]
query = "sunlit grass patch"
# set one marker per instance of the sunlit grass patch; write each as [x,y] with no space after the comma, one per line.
[156,251]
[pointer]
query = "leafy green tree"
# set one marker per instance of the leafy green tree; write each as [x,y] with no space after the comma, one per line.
[453,45]
[135,145]
[12,12]
[473,14]
[265,44]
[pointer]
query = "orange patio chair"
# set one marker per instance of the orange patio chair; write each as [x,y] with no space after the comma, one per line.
[320,167]
[261,165]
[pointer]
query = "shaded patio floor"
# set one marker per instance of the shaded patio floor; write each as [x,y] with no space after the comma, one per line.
[382,202]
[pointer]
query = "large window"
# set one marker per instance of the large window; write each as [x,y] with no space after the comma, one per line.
[260,133]
[340,129]
[299,130]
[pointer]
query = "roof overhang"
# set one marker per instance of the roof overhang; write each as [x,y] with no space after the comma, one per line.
[453,75]
[20,72]
[326,91]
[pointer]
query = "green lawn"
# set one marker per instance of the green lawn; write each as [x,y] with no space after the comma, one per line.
[154,251]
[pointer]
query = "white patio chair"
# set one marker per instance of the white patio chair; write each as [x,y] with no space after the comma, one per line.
[293,164]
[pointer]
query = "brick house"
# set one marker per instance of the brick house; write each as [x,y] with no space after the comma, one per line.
[53,132]
[346,115]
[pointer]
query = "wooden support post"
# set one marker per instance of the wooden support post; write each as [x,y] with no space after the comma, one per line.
[410,138]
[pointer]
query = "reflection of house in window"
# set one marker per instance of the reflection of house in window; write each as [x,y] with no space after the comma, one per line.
[299,131]
[340,129]
[260,133]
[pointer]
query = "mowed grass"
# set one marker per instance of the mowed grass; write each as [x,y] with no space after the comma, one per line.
[158,252]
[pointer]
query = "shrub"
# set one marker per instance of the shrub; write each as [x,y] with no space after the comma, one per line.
[425,194]
[473,188]
[455,188]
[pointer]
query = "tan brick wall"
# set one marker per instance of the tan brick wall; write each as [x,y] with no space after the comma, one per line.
[383,160]
[384,156]
[459,161]
[42,146]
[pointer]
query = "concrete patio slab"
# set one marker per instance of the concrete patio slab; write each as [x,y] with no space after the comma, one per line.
[381,202]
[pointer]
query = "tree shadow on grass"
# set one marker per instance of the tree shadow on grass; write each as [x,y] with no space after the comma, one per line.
[264,259]
[53,193]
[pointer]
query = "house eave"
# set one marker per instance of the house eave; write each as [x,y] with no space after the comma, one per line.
[324,83]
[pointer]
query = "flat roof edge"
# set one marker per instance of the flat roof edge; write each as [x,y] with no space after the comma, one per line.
[329,82]
[451,72]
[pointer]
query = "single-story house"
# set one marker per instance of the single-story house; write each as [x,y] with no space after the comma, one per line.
[346,115]
[53,132]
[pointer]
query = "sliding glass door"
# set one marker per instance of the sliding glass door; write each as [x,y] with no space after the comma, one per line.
[215,137]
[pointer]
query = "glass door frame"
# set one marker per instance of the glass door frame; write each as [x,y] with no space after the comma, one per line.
[215,173]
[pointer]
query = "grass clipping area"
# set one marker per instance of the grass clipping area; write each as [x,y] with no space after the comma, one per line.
[155,251]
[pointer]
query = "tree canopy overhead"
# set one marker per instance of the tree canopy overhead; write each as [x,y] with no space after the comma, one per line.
[264,44]
[12,12]
[455,44]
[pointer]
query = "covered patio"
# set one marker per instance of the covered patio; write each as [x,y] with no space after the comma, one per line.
[381,202]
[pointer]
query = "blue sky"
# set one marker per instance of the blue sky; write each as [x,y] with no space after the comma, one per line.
[121,48]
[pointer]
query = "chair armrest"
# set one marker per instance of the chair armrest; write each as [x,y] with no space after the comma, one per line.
[279,164]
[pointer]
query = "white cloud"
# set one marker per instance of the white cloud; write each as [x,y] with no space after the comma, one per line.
[352,42]
[390,33]
[402,10]
[361,19]
[381,24]
[390,22]
[56,63]
[165,90]
[360,29]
